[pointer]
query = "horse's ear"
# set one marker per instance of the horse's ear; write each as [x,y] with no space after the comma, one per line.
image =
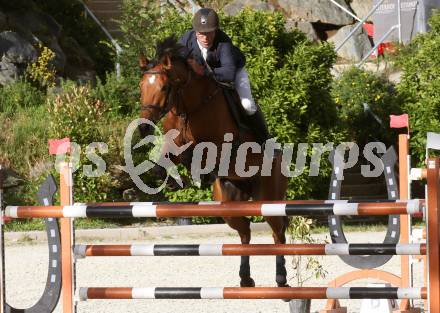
[166,62]
[143,62]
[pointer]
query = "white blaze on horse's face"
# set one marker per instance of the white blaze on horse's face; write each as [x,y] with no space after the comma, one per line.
[153,94]
[152,82]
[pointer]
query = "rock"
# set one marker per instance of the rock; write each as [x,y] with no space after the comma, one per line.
[306,27]
[16,49]
[356,48]
[60,57]
[3,21]
[316,11]
[79,65]
[75,54]
[361,8]
[236,6]
[40,28]
[8,72]
[38,23]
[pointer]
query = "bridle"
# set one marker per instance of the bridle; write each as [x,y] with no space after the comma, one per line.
[150,107]
[178,89]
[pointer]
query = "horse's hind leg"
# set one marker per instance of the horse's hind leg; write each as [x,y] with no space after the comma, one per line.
[242,225]
[225,191]
[279,226]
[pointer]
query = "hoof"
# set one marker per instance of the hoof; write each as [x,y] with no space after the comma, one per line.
[248,282]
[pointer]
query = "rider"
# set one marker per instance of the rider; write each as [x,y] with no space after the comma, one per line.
[215,55]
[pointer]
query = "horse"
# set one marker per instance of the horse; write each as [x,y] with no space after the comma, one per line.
[196,106]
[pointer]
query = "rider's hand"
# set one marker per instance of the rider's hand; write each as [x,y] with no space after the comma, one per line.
[197,68]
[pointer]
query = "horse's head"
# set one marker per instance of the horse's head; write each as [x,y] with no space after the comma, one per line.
[161,81]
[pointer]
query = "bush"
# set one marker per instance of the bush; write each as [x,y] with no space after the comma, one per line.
[77,114]
[23,147]
[291,79]
[19,95]
[143,26]
[23,138]
[121,96]
[353,89]
[42,73]
[420,86]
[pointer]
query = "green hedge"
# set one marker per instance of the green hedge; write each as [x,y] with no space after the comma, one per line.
[420,86]
[356,87]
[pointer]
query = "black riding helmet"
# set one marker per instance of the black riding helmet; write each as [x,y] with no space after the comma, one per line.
[205,20]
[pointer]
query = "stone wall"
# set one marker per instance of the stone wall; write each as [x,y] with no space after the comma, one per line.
[21,33]
[319,20]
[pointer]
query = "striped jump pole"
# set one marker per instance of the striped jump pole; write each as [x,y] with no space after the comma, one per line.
[433,232]
[82,251]
[253,293]
[224,209]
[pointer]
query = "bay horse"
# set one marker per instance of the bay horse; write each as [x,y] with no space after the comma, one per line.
[196,106]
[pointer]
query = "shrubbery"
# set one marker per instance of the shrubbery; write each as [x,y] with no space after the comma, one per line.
[23,137]
[356,88]
[420,86]
[121,96]
[42,73]
[20,95]
[76,113]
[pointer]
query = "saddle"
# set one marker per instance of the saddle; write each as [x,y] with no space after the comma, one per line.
[237,112]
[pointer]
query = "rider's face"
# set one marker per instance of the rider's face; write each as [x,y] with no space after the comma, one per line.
[205,39]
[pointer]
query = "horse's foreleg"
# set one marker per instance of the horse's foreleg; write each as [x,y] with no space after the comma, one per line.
[279,226]
[226,191]
[242,225]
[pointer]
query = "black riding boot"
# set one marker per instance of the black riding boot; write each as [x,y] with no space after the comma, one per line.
[259,126]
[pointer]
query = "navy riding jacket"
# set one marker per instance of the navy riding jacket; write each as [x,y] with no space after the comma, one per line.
[223,57]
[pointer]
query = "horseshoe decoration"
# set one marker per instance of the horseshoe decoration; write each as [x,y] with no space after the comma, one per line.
[335,223]
[51,294]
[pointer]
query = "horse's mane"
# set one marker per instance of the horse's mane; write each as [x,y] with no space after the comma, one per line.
[172,48]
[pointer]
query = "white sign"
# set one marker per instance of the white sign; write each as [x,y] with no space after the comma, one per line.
[414,18]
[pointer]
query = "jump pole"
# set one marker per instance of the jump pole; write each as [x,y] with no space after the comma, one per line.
[252,293]
[433,232]
[224,209]
[66,198]
[405,220]
[2,251]
[82,251]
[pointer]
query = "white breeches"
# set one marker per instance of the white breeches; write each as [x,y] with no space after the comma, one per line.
[243,87]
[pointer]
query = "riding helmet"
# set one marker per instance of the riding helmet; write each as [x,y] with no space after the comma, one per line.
[205,20]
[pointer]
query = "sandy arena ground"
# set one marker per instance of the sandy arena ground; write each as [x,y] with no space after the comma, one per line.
[26,268]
